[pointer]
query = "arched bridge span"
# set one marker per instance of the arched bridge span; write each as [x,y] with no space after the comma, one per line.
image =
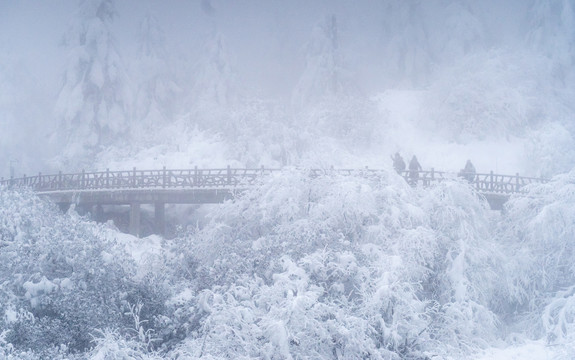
[202,186]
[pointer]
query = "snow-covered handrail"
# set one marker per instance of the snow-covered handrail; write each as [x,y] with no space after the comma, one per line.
[236,177]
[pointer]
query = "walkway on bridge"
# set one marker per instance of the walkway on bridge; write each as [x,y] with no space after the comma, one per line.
[203,186]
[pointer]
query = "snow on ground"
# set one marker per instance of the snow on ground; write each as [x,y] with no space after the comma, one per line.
[142,250]
[535,350]
[179,149]
[400,111]
[403,109]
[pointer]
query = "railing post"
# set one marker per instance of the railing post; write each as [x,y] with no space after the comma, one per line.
[196,175]
[229,175]
[40,180]
[107,178]
[516,182]
[25,181]
[432,174]
[83,182]
[262,170]
[134,177]
[59,187]
[164,177]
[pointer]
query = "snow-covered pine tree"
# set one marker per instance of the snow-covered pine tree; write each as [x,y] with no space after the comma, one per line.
[553,34]
[325,76]
[460,19]
[215,88]
[404,37]
[158,89]
[551,40]
[419,36]
[326,100]
[94,99]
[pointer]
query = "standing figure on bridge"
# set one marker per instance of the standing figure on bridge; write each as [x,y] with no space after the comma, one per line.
[398,163]
[468,172]
[414,169]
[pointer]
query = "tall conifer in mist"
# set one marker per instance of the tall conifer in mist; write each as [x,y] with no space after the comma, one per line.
[93,102]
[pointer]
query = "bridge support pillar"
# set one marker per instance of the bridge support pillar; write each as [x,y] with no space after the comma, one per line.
[160,218]
[135,219]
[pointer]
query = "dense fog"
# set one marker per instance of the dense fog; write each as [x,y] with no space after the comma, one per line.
[259,80]
[298,267]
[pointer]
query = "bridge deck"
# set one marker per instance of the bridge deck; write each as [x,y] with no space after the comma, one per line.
[142,196]
[233,178]
[202,186]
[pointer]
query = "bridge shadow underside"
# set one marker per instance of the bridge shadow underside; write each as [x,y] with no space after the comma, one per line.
[137,197]
[159,198]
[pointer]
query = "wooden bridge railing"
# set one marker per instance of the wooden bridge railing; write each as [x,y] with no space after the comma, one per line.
[234,177]
[483,182]
[130,179]
[495,183]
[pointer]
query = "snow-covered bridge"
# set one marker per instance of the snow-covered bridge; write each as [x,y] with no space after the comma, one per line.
[203,186]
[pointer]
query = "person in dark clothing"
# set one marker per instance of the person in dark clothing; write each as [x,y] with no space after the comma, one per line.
[468,172]
[414,169]
[398,163]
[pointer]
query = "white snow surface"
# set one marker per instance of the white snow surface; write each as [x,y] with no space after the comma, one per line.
[533,350]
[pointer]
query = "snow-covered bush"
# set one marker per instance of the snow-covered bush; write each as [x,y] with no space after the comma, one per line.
[343,267]
[550,150]
[110,345]
[487,95]
[353,121]
[538,231]
[63,277]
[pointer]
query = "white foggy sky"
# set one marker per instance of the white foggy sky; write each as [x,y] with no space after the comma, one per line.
[266,38]
[267,42]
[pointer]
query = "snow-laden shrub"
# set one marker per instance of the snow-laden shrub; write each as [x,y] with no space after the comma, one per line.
[343,267]
[558,316]
[8,352]
[311,308]
[538,231]
[486,95]
[62,278]
[464,265]
[541,227]
[550,149]
[292,214]
[111,346]
[350,120]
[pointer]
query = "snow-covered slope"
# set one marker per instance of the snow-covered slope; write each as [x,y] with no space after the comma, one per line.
[336,266]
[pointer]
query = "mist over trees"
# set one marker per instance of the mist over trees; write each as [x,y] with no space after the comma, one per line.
[158,90]
[92,105]
[472,74]
[330,266]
